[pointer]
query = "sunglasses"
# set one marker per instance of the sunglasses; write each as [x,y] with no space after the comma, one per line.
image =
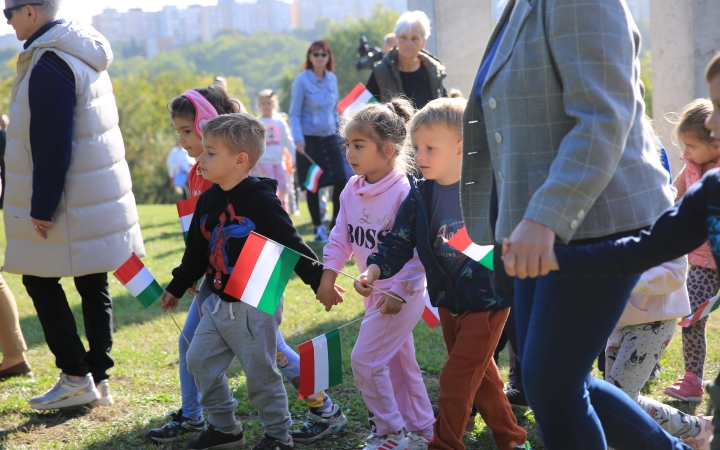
[10,11]
[318,55]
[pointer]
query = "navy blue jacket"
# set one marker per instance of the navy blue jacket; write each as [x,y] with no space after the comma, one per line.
[471,291]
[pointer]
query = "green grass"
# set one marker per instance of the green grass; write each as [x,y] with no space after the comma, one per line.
[145,381]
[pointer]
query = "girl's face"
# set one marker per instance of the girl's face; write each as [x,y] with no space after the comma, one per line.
[266,106]
[713,122]
[365,158]
[698,151]
[187,137]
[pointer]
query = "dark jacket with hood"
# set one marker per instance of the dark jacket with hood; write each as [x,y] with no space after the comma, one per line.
[220,226]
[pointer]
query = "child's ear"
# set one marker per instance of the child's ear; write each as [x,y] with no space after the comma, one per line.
[388,150]
[459,148]
[241,160]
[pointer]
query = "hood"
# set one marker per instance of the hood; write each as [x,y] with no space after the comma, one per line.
[79,40]
[249,184]
[358,185]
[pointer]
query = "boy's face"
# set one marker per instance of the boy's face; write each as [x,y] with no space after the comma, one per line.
[219,165]
[187,137]
[713,122]
[438,153]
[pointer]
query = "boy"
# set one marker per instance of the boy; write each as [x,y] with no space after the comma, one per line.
[225,214]
[472,316]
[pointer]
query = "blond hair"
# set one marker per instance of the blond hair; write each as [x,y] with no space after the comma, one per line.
[713,68]
[441,111]
[270,94]
[241,132]
[692,120]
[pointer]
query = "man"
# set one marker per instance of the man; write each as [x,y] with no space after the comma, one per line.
[69,207]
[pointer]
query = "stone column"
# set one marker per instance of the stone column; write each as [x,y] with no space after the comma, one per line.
[460,31]
[685,35]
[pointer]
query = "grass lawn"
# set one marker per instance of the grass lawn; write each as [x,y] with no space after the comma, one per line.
[145,380]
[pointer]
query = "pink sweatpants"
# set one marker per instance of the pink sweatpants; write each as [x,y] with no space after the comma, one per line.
[276,172]
[387,372]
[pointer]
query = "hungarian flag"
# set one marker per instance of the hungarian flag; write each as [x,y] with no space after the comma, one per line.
[320,363]
[702,312]
[186,209]
[482,254]
[430,315]
[138,280]
[261,273]
[312,181]
[358,97]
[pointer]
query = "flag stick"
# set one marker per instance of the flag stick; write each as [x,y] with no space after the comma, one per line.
[309,158]
[179,329]
[359,318]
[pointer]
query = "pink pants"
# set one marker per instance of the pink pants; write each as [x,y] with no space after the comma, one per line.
[276,172]
[387,372]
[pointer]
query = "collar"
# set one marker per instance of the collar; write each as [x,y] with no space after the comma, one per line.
[44,29]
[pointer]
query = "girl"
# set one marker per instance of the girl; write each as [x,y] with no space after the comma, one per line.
[383,359]
[313,118]
[701,153]
[189,112]
[276,141]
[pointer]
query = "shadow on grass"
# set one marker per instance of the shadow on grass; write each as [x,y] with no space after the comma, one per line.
[45,420]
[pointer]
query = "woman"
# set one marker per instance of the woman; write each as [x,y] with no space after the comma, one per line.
[408,69]
[313,118]
[556,149]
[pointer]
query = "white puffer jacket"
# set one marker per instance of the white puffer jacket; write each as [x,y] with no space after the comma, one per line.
[96,224]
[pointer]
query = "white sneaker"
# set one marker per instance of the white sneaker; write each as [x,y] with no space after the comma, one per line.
[321,235]
[387,442]
[66,393]
[106,398]
[417,441]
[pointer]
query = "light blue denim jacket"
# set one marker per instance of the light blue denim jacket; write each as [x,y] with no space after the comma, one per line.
[313,105]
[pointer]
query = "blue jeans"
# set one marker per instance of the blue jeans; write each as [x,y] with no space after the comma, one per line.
[562,325]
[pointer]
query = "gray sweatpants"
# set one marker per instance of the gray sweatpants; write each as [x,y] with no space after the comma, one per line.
[227,330]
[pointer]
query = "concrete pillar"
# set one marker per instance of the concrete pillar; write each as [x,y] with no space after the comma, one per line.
[461,30]
[685,35]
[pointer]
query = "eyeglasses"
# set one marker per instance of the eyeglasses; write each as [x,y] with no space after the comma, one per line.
[9,11]
[320,55]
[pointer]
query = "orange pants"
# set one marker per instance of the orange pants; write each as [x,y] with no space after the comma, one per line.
[471,376]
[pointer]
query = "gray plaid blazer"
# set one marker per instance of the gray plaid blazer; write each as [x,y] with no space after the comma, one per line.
[561,127]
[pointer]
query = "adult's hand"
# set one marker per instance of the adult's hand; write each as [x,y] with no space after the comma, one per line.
[530,252]
[42,226]
[300,146]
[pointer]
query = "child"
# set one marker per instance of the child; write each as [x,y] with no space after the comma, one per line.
[188,112]
[701,153]
[684,227]
[471,314]
[225,215]
[383,359]
[278,138]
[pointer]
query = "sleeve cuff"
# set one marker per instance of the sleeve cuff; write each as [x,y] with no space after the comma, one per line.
[176,288]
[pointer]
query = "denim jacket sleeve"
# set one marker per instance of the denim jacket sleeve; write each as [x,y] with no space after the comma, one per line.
[399,244]
[297,95]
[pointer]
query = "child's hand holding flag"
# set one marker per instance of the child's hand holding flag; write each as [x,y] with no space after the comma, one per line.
[368,278]
[168,302]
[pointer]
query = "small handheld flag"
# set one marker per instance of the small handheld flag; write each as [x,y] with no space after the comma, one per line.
[312,181]
[320,363]
[430,315]
[482,254]
[138,280]
[186,210]
[358,97]
[701,312]
[261,273]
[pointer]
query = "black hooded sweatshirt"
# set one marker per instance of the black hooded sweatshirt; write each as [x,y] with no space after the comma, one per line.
[220,226]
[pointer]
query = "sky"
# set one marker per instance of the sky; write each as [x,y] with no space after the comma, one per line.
[83,10]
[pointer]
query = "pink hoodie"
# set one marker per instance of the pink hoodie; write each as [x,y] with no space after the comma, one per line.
[367,214]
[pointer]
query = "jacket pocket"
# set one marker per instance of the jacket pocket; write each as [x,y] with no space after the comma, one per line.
[536,176]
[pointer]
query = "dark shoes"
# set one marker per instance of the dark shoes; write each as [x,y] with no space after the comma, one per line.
[318,425]
[270,443]
[18,370]
[516,397]
[212,438]
[177,426]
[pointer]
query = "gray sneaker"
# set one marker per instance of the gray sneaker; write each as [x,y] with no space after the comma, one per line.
[106,398]
[66,393]
[321,236]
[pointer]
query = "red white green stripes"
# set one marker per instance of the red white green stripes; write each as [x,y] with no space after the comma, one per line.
[138,280]
[312,181]
[430,315]
[702,312]
[262,271]
[358,97]
[320,363]
[482,254]
[186,210]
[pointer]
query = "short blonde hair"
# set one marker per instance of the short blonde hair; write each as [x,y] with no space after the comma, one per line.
[269,93]
[441,111]
[241,132]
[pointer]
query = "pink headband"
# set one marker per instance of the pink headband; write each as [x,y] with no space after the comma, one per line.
[204,110]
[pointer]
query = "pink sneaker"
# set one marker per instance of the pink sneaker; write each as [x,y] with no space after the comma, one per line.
[702,440]
[688,388]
